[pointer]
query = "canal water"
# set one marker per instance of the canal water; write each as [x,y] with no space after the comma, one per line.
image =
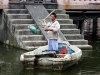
[88,65]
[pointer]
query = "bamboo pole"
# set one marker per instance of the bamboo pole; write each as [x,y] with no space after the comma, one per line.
[49,14]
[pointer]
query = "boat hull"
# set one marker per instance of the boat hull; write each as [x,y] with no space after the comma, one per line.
[39,59]
[49,64]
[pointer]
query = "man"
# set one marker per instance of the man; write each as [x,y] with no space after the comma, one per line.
[52,30]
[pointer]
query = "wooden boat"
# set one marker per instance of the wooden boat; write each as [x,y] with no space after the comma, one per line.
[46,59]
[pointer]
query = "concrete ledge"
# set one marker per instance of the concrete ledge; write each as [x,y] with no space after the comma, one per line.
[74,36]
[16,11]
[35,43]
[25,32]
[67,26]
[29,48]
[2,6]
[85,47]
[65,21]
[19,16]
[32,37]
[70,31]
[78,42]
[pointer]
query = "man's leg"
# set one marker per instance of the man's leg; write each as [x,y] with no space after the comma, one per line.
[55,44]
[50,44]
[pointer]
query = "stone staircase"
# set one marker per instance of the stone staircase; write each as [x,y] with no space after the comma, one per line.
[18,20]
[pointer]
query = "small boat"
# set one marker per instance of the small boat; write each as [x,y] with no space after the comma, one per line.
[66,56]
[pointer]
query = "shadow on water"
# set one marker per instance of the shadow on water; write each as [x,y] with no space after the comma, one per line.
[88,65]
[70,71]
[9,60]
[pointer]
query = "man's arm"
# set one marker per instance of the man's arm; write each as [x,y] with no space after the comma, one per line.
[56,28]
[48,29]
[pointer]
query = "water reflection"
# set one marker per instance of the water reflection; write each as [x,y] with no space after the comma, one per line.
[88,65]
[9,60]
[91,59]
[70,71]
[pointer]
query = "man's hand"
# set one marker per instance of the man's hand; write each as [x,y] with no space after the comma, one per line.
[43,22]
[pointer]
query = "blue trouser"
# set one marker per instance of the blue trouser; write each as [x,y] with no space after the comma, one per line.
[52,44]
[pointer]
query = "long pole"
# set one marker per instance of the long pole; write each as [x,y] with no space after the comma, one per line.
[49,14]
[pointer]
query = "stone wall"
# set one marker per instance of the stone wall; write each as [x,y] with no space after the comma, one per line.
[1,27]
[98,27]
[83,2]
[4,4]
[77,2]
[5,33]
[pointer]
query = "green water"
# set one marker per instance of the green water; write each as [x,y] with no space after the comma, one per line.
[88,65]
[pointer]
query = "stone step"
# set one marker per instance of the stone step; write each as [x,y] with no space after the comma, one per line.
[62,16]
[16,6]
[38,1]
[74,36]
[15,11]
[67,26]
[30,48]
[19,16]
[51,6]
[32,37]
[78,42]
[65,21]
[22,26]
[57,11]
[70,31]
[22,21]
[26,32]
[85,47]
[35,43]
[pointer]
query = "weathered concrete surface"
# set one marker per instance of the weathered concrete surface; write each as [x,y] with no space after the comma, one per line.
[79,4]
[1,27]
[4,4]
[5,34]
[16,32]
